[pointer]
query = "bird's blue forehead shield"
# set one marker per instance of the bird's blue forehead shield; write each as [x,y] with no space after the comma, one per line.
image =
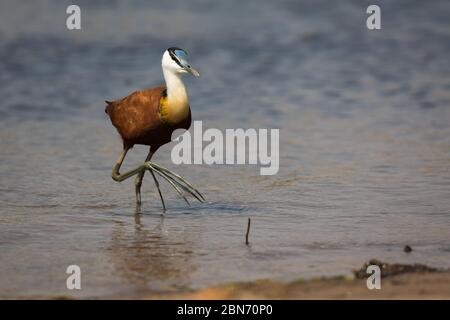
[181,58]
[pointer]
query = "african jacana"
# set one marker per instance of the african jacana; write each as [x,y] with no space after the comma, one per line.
[149,117]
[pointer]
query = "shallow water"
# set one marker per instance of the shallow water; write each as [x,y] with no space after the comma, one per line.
[364,120]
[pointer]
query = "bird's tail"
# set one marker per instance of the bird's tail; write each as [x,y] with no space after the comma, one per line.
[108,103]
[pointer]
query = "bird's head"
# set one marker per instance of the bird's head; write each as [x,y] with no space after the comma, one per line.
[175,60]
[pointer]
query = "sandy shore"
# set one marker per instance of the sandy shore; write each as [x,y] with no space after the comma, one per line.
[398,282]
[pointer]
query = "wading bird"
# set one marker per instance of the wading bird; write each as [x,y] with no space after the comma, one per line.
[149,117]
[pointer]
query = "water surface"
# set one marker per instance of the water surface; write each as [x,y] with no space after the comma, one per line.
[364,120]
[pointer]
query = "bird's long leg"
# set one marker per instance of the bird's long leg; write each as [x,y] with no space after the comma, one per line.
[140,171]
[138,184]
[175,180]
[121,177]
[138,180]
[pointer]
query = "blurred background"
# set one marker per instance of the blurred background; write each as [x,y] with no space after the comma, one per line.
[364,119]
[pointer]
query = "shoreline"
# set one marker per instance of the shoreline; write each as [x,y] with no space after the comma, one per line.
[398,281]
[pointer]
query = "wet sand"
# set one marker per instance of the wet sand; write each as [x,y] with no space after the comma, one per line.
[400,282]
[415,285]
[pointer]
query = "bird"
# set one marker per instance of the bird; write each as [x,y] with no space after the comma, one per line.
[149,117]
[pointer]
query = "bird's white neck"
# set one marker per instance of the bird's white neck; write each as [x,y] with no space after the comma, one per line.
[176,91]
[176,109]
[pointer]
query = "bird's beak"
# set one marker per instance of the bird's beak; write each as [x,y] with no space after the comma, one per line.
[192,71]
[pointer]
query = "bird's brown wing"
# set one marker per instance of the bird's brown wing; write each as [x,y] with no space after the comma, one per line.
[136,115]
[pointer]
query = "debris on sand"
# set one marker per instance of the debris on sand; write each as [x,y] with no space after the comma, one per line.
[388,270]
[407,249]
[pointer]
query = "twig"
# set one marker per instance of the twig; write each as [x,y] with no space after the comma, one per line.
[248,231]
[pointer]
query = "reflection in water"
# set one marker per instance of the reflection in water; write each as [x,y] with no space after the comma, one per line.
[151,257]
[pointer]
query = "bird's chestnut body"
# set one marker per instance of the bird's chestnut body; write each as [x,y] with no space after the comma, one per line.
[140,118]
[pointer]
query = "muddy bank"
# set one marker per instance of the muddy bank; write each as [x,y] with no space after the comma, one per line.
[398,281]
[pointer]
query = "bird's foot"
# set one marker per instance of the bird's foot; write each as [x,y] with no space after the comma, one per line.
[180,185]
[138,184]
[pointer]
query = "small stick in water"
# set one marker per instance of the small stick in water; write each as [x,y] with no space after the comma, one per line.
[248,231]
